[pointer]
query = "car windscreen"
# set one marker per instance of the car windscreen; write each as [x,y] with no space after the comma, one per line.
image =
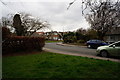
[116,44]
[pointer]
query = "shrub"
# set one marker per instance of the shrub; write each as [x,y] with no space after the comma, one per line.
[69,38]
[5,33]
[22,43]
[80,41]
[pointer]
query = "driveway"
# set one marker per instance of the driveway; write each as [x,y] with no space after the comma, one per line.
[74,50]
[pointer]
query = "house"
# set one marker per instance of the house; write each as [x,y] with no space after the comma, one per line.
[113,35]
[38,34]
[53,35]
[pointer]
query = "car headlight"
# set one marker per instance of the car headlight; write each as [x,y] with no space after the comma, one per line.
[98,49]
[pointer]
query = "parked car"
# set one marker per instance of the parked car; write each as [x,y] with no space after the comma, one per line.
[109,50]
[95,43]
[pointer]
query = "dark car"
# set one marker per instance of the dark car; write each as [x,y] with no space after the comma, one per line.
[95,43]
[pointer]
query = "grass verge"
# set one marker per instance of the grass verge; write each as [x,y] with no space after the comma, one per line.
[52,65]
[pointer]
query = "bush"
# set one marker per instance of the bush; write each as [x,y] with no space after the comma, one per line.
[80,41]
[5,33]
[69,38]
[22,43]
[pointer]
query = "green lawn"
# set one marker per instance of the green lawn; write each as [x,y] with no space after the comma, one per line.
[51,65]
[49,41]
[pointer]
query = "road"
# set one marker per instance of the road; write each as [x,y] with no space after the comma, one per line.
[71,49]
[75,50]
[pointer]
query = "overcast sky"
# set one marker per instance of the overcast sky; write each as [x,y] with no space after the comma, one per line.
[53,11]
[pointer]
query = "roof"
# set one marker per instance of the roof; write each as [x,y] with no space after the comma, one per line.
[40,32]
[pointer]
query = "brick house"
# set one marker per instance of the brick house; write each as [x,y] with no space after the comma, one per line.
[53,35]
[38,34]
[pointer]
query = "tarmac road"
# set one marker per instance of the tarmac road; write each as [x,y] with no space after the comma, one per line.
[71,49]
[75,50]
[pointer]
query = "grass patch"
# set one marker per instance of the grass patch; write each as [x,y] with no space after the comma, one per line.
[51,65]
[48,41]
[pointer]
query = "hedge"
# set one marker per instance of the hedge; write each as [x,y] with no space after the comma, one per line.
[5,33]
[22,43]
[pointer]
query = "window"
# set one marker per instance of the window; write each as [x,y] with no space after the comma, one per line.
[117,44]
[55,33]
[55,38]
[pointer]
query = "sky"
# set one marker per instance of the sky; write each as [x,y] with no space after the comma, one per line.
[53,11]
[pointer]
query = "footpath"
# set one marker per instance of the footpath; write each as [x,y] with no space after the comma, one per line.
[76,54]
[68,44]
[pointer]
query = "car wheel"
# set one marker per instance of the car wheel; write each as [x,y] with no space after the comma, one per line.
[104,53]
[89,46]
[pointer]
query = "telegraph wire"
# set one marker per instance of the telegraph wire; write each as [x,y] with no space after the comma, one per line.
[2,2]
[7,6]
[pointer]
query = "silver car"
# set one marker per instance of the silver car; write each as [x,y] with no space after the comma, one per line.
[109,50]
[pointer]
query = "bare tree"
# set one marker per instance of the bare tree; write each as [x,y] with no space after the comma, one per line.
[32,24]
[28,24]
[102,15]
[7,22]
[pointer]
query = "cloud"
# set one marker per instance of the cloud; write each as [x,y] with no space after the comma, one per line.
[55,12]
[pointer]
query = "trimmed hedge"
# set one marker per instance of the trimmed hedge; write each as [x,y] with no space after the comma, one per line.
[5,33]
[22,43]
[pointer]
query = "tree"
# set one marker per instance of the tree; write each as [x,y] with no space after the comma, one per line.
[69,37]
[7,21]
[86,34]
[32,24]
[17,24]
[91,34]
[102,15]
[26,24]
[80,34]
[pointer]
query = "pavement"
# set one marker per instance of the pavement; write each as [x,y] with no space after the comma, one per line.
[75,54]
[67,44]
